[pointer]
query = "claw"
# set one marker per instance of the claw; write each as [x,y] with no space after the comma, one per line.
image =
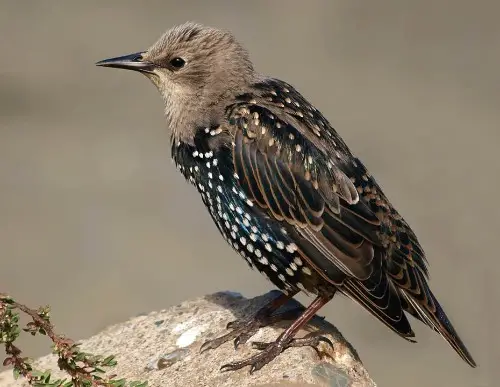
[240,334]
[225,368]
[203,347]
[237,342]
[327,341]
[206,346]
[253,368]
[216,343]
[313,340]
[256,362]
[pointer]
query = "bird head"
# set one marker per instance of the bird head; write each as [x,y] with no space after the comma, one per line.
[196,69]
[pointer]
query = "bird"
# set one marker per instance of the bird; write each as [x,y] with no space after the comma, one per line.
[285,192]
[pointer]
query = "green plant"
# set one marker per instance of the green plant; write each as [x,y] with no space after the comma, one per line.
[84,369]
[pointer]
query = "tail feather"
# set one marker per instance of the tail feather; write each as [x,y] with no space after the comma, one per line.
[440,323]
[408,271]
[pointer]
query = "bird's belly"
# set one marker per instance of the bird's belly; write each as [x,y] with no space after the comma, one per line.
[262,241]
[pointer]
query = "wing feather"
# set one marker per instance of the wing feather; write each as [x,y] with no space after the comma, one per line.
[296,168]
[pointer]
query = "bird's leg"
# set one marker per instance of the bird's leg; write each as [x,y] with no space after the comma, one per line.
[242,330]
[285,340]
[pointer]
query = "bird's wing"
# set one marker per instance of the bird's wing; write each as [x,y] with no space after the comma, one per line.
[293,164]
[317,195]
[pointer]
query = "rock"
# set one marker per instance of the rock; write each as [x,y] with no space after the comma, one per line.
[163,348]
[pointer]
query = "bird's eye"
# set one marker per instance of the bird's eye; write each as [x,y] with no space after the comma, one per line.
[177,63]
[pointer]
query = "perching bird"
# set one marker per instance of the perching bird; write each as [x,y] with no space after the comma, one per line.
[285,191]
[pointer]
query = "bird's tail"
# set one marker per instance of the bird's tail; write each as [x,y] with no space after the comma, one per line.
[434,316]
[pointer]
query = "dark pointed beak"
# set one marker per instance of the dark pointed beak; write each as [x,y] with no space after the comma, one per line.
[129,62]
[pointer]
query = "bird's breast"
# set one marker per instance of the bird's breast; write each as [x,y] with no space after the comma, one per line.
[263,242]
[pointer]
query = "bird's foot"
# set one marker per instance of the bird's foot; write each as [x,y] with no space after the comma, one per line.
[242,330]
[271,350]
[312,340]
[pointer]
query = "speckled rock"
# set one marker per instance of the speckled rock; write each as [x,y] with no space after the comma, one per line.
[163,348]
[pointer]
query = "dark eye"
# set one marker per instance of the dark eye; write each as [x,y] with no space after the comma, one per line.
[177,63]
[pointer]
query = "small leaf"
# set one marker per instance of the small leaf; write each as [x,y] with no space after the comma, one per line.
[75,346]
[80,356]
[46,376]
[118,383]
[16,331]
[36,373]
[108,360]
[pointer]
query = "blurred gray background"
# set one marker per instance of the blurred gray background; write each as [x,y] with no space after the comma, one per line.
[95,221]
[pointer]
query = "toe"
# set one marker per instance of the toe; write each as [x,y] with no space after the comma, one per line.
[207,345]
[259,345]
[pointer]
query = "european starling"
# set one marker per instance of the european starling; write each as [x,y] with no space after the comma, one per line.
[285,191]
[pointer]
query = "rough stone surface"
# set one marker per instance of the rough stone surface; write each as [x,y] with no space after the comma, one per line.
[163,348]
